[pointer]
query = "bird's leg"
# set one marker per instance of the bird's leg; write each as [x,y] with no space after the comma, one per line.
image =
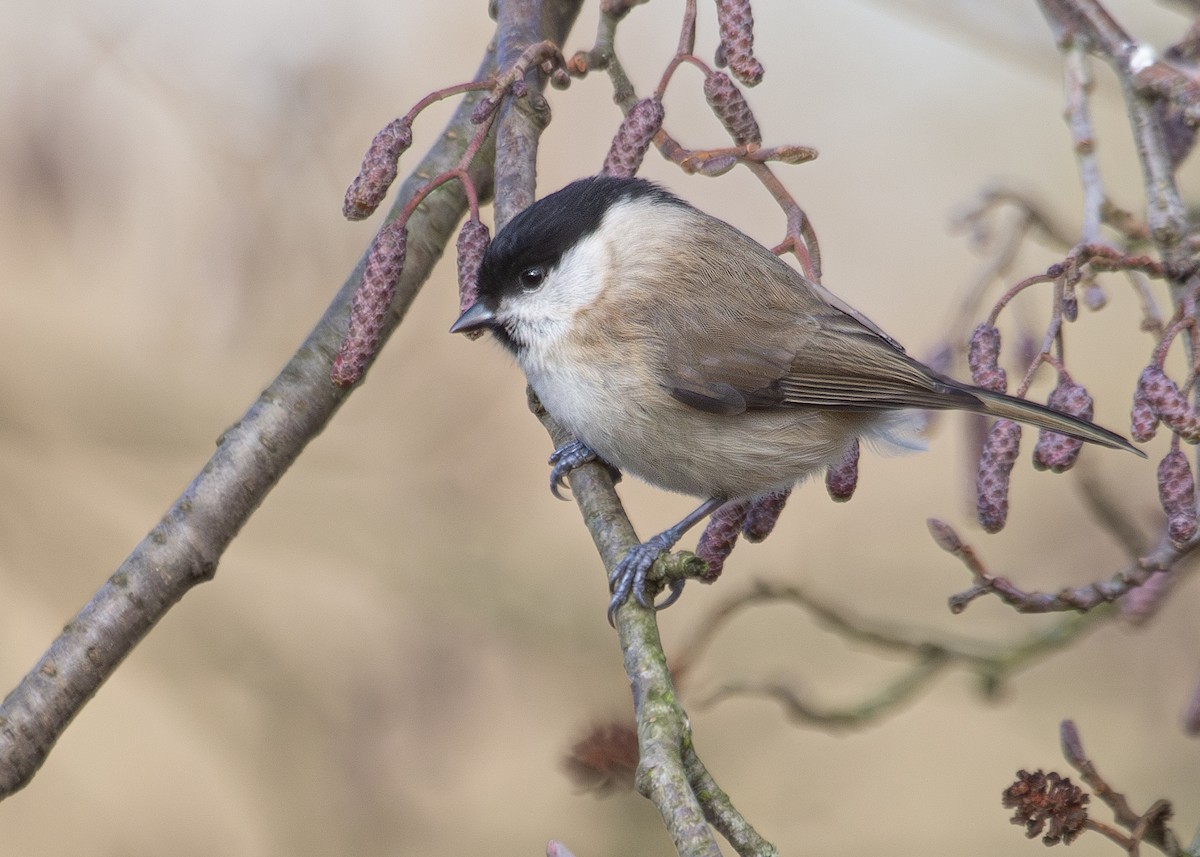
[567,457]
[629,577]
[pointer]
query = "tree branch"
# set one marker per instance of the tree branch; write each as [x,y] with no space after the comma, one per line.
[183,549]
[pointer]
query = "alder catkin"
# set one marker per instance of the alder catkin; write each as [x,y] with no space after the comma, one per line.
[719,537]
[1168,403]
[1177,493]
[473,240]
[1143,422]
[372,301]
[633,138]
[378,171]
[736,22]
[1000,451]
[842,478]
[763,514]
[983,354]
[1058,452]
[730,106]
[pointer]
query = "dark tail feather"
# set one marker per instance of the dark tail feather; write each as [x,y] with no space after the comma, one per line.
[1021,410]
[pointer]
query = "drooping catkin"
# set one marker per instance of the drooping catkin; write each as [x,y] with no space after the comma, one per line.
[473,240]
[730,106]
[633,138]
[736,22]
[378,171]
[983,354]
[1058,452]
[372,302]
[719,537]
[1000,451]
[1177,493]
[763,514]
[1143,422]
[1168,403]
[842,478]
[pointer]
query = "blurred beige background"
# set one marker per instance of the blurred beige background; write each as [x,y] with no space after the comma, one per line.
[398,649]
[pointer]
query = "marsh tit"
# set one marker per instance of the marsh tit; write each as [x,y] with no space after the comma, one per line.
[676,348]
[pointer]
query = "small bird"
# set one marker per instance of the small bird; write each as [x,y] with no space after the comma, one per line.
[677,348]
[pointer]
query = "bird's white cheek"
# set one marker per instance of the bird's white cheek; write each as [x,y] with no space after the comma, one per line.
[569,387]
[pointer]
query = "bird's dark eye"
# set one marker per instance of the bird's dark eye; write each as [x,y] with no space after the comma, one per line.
[532,278]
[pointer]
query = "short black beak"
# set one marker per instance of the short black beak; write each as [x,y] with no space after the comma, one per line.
[476,317]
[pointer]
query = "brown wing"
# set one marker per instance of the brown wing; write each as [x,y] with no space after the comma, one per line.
[846,366]
[778,341]
[824,359]
[775,339]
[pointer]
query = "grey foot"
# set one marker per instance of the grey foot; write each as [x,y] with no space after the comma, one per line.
[569,456]
[629,578]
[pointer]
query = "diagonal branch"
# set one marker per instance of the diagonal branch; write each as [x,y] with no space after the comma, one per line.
[183,549]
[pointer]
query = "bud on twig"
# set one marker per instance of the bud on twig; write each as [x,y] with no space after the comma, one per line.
[1070,304]
[1058,452]
[736,22]
[995,466]
[730,106]
[371,304]
[983,354]
[473,242]
[1141,603]
[788,153]
[1177,493]
[842,478]
[944,535]
[378,170]
[711,165]
[633,138]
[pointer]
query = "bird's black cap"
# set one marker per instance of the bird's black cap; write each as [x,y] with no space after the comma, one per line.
[544,231]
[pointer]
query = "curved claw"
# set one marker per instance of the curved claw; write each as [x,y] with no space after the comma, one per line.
[558,481]
[566,458]
[676,589]
[629,578]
